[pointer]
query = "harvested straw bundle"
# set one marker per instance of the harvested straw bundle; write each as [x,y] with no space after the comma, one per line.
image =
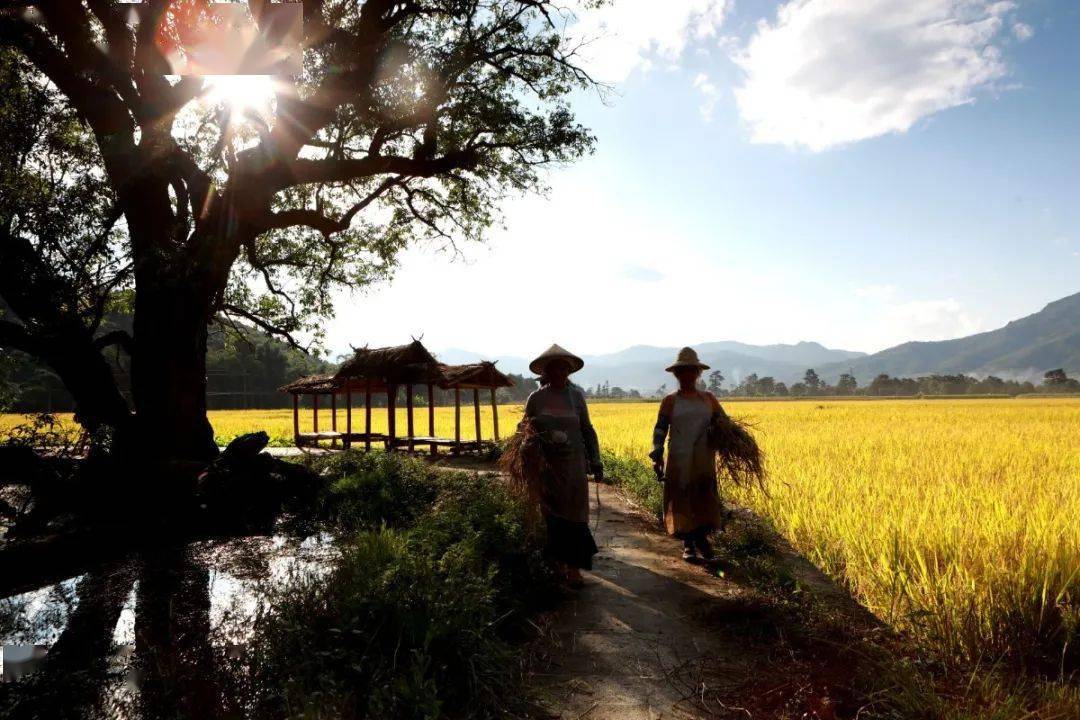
[523,462]
[738,457]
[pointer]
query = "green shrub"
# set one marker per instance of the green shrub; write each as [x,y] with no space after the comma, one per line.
[369,490]
[387,634]
[416,618]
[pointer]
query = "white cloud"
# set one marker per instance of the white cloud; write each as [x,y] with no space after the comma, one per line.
[930,320]
[709,96]
[831,72]
[1023,31]
[628,35]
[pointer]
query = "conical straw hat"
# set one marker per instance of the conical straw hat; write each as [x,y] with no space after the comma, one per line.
[556,353]
[687,358]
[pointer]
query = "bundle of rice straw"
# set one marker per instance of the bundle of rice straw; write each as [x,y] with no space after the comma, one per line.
[523,460]
[738,457]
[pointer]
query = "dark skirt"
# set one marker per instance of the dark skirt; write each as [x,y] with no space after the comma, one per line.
[569,542]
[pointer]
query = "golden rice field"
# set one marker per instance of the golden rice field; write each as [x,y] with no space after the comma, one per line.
[957,521]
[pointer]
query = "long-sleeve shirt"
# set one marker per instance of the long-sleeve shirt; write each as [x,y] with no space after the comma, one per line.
[547,400]
[569,444]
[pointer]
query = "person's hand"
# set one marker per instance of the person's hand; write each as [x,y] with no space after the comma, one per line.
[658,468]
[598,472]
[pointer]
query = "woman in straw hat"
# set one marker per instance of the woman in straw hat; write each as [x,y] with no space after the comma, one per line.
[691,502]
[570,450]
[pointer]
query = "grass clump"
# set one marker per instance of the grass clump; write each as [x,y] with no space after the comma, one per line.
[636,479]
[747,549]
[422,614]
[365,491]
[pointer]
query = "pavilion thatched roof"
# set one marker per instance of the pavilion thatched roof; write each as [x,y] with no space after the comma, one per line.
[376,369]
[473,375]
[398,364]
[311,384]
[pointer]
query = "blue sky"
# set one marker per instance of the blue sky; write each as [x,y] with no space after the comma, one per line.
[856,172]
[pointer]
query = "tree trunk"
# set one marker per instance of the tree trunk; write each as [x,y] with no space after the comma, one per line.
[89,378]
[169,371]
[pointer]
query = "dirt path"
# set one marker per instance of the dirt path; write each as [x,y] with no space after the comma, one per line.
[651,636]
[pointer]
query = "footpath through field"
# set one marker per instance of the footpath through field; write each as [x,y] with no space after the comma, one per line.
[651,636]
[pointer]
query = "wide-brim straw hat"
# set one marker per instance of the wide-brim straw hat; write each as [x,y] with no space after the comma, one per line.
[687,358]
[556,353]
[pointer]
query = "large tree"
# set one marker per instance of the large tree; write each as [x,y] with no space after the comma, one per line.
[410,120]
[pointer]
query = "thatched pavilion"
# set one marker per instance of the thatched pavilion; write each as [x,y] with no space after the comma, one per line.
[372,371]
[475,377]
[315,386]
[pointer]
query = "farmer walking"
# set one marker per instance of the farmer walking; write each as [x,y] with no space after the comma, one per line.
[569,450]
[692,506]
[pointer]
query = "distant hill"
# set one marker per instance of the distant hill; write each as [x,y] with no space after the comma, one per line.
[798,354]
[642,366]
[507,363]
[1023,349]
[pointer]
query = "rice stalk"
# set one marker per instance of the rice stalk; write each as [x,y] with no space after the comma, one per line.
[739,459]
[522,461]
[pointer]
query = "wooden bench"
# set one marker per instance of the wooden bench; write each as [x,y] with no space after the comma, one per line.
[312,439]
[434,443]
[359,438]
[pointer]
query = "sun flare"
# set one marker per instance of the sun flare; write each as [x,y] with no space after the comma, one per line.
[242,94]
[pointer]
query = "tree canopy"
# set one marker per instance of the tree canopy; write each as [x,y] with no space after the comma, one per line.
[409,121]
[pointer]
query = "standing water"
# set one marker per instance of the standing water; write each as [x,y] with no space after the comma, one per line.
[124,634]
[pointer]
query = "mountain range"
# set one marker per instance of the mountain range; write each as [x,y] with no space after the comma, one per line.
[1023,349]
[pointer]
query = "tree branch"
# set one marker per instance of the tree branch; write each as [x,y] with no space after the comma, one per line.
[102,109]
[343,170]
[302,216]
[116,337]
[16,336]
[323,224]
[72,25]
[263,324]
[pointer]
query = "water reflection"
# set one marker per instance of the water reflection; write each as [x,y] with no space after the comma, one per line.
[140,638]
[22,660]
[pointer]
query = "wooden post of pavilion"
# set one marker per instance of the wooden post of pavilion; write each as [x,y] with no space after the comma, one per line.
[391,415]
[476,412]
[409,415]
[348,418]
[431,417]
[333,414]
[457,420]
[296,418]
[315,414]
[495,413]
[367,415]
